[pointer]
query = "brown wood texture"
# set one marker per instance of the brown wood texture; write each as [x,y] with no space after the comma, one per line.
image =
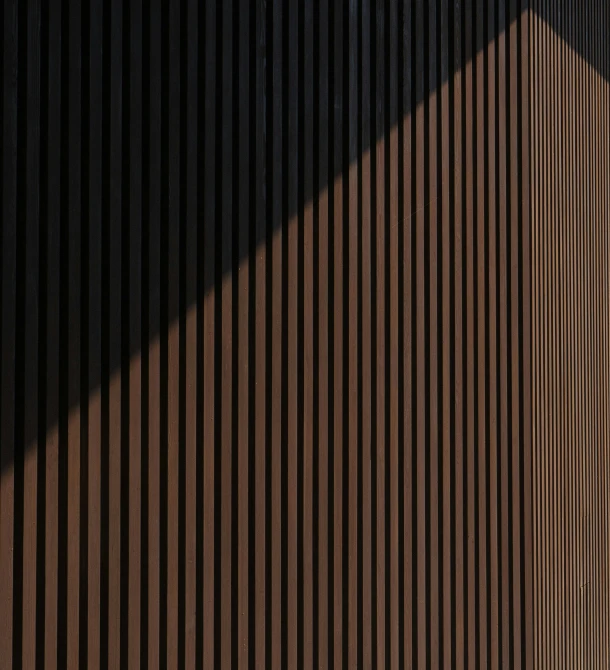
[304,334]
[569,68]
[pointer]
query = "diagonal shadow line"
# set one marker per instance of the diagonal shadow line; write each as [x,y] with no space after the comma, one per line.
[415,94]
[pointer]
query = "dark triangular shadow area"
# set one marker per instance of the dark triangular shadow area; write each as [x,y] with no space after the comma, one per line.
[256,105]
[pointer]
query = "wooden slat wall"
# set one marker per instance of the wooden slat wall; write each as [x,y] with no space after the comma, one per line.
[266,299]
[570,112]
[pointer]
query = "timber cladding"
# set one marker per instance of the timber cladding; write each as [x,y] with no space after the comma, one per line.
[304,316]
[570,112]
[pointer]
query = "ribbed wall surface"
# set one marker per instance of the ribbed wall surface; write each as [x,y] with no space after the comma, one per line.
[266,296]
[570,151]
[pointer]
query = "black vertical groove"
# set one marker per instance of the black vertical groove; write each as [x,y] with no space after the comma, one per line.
[42,328]
[146,337]
[163,320]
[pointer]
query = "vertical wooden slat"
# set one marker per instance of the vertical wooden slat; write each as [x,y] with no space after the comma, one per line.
[19,353]
[224,225]
[211,578]
[336,260]
[277,273]
[352,336]
[515,445]
[534,313]
[503,342]
[539,335]
[556,475]
[392,291]
[593,544]
[31,334]
[173,224]
[8,311]
[572,306]
[568,505]
[578,329]
[431,326]
[52,348]
[480,335]
[290,315]
[458,344]
[578,354]
[262,144]
[420,335]
[447,551]
[563,354]
[135,332]
[154,346]
[114,335]
[73,117]
[468,298]
[192,451]
[576,427]
[307,323]
[492,341]
[544,252]
[94,348]
[406,258]
[245,107]
[368,325]
[381,370]
[323,187]
[569,548]
[605,214]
